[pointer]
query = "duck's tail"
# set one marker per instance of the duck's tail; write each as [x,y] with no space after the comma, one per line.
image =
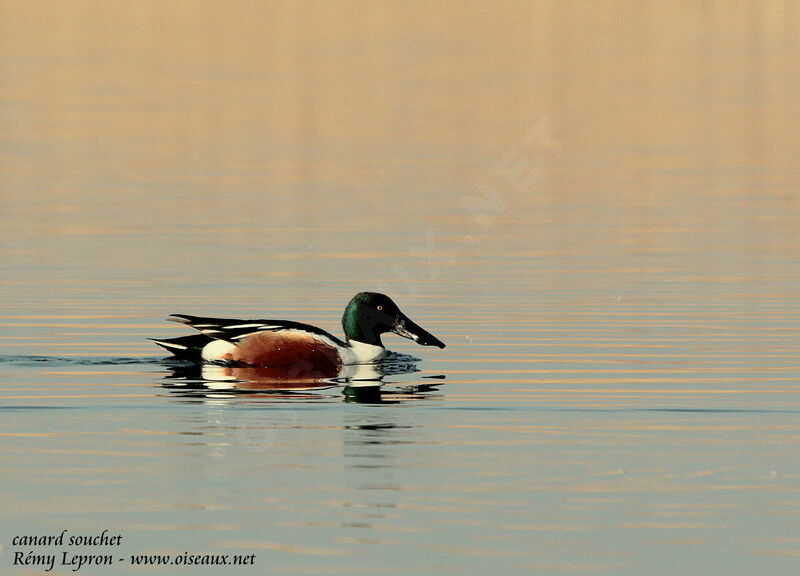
[184,347]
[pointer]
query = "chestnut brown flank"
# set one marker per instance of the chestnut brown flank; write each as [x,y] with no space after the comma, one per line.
[287,349]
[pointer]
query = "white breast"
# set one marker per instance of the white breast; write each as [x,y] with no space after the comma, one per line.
[360,353]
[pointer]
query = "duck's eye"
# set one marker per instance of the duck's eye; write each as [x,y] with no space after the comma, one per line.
[380,307]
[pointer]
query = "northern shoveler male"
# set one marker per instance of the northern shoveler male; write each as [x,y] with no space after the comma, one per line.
[289,345]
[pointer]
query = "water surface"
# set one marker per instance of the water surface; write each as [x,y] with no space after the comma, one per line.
[595,207]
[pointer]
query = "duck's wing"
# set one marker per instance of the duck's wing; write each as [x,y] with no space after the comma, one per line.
[234,330]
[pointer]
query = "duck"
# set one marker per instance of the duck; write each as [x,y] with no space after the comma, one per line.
[294,346]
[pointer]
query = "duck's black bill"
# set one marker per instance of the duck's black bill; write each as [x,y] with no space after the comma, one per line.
[404,327]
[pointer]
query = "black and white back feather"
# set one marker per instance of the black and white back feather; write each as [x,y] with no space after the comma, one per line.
[233,330]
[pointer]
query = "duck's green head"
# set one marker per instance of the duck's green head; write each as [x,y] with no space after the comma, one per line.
[369,314]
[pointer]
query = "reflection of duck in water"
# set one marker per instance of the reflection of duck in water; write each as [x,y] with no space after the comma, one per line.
[361,382]
[292,345]
[251,378]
